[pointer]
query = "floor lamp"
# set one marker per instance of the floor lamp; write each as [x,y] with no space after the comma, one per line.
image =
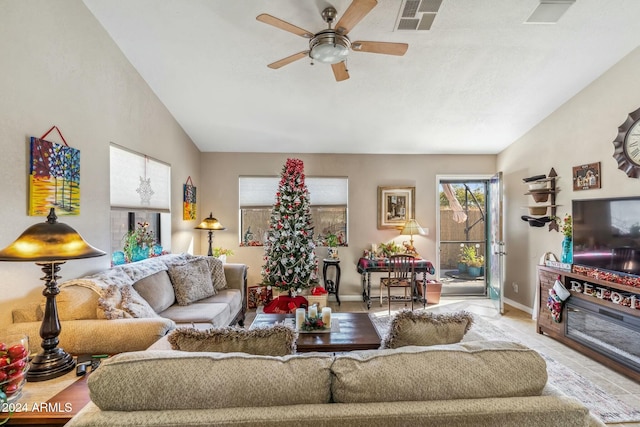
[49,244]
[210,224]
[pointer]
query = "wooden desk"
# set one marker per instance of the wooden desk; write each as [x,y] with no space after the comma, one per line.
[367,266]
[356,333]
[50,403]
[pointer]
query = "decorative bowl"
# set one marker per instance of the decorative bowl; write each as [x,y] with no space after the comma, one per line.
[14,364]
[538,186]
[537,210]
[539,197]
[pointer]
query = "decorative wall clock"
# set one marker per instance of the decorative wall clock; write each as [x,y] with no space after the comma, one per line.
[627,145]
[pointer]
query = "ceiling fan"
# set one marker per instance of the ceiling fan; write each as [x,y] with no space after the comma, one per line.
[331,46]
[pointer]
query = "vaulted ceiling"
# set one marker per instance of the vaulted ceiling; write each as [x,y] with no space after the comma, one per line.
[474,83]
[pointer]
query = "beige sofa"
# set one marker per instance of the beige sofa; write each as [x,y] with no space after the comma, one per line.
[480,383]
[129,307]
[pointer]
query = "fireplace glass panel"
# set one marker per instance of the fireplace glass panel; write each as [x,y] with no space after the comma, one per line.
[611,333]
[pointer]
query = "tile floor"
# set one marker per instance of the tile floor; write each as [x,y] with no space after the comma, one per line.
[520,325]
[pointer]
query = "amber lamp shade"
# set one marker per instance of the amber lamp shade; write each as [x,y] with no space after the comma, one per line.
[210,224]
[49,244]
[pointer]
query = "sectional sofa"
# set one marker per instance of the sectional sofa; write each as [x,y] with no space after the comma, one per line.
[131,306]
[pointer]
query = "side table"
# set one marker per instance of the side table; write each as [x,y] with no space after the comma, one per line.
[332,287]
[51,403]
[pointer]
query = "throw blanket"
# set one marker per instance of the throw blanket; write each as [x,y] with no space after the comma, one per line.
[115,285]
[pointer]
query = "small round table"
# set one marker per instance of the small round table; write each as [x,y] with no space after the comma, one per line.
[331,286]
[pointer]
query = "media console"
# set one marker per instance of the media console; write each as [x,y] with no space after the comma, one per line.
[595,320]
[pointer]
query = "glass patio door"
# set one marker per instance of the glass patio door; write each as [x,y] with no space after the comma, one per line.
[462,236]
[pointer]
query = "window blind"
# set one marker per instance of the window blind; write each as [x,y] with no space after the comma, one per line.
[260,191]
[138,181]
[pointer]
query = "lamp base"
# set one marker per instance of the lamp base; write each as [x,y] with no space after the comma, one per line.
[49,365]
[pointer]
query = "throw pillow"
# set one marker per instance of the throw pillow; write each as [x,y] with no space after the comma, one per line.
[217,273]
[191,281]
[275,340]
[134,304]
[109,304]
[426,328]
[216,267]
[157,290]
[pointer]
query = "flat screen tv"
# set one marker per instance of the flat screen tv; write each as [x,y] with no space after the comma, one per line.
[606,234]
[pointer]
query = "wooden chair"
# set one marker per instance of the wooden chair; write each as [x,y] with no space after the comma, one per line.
[401,275]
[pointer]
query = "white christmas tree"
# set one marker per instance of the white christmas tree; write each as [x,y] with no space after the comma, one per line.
[290,260]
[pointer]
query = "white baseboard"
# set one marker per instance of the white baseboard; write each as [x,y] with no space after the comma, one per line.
[350,298]
[518,306]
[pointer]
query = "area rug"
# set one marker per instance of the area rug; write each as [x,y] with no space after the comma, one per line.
[601,403]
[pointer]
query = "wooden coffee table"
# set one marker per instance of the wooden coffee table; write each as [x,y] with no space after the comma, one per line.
[50,403]
[356,333]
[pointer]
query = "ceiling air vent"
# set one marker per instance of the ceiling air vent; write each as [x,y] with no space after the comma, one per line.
[417,15]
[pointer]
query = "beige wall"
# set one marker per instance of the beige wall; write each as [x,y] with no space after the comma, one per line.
[60,67]
[580,131]
[220,172]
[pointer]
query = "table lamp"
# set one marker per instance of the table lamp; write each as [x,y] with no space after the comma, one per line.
[410,228]
[49,244]
[211,224]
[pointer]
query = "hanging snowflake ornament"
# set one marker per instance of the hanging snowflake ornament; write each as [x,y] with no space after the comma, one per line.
[145,191]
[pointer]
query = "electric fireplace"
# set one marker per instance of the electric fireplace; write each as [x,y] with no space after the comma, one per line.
[614,334]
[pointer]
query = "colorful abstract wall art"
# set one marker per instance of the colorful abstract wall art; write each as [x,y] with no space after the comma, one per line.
[189,201]
[54,178]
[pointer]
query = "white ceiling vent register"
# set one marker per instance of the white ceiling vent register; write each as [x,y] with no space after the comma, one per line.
[417,15]
[549,11]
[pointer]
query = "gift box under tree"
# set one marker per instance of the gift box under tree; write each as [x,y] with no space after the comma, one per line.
[257,296]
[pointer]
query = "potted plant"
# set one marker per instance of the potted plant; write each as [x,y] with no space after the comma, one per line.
[476,266]
[389,249]
[222,253]
[467,253]
[332,244]
[567,241]
[138,242]
[474,261]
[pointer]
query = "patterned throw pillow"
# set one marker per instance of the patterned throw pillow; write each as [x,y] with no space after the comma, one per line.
[426,328]
[217,271]
[191,281]
[276,340]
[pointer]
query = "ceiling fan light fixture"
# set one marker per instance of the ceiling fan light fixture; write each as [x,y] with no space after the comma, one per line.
[329,47]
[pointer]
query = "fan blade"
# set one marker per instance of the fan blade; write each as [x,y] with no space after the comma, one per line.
[284,25]
[288,60]
[357,10]
[340,71]
[385,48]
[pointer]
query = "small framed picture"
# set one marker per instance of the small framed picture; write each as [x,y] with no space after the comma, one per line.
[586,177]
[395,206]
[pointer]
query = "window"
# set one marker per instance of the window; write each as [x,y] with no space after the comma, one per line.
[328,207]
[140,191]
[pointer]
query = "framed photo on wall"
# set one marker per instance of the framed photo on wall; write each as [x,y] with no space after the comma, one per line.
[396,205]
[586,177]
